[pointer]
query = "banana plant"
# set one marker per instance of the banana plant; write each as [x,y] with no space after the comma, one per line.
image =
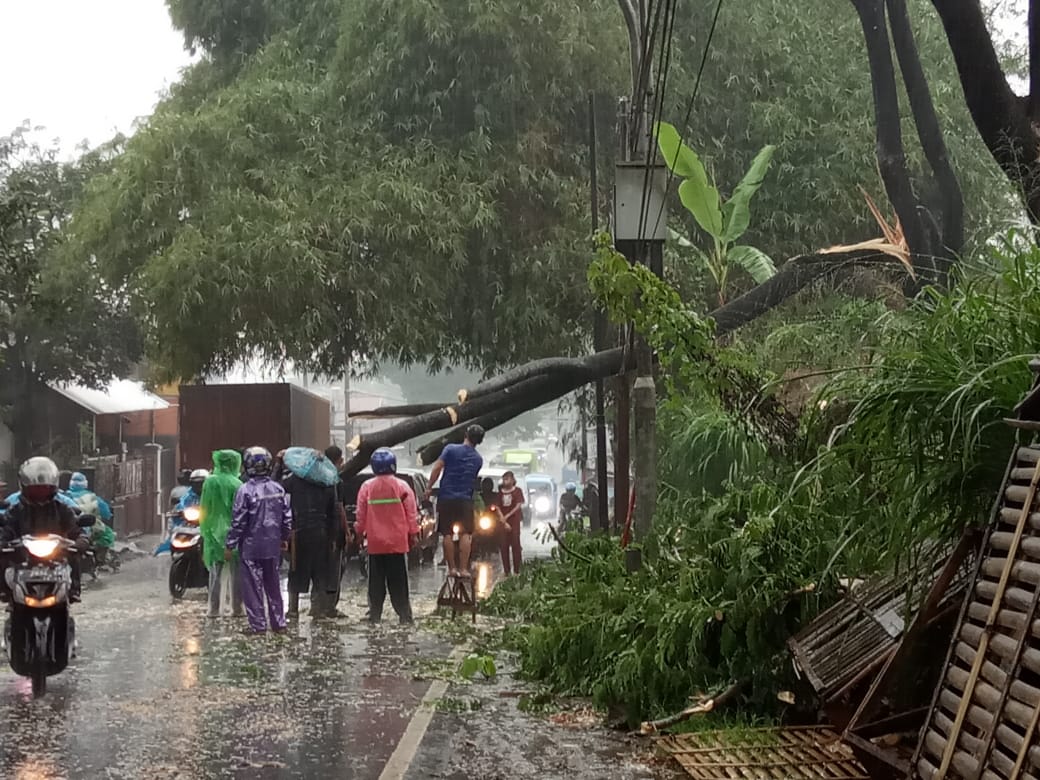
[724,222]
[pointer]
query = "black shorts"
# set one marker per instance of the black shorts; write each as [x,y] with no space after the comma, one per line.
[454,510]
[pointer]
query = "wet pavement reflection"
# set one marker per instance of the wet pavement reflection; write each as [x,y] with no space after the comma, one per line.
[160,691]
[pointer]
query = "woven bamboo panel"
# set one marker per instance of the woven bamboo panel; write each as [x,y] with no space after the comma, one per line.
[764,754]
[983,721]
[845,641]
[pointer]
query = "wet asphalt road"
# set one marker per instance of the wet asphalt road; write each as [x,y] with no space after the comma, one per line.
[159,691]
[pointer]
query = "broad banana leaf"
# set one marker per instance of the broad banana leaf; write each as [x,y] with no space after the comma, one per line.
[754,261]
[682,160]
[702,200]
[737,210]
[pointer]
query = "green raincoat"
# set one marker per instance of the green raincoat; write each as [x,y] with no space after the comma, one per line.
[218,496]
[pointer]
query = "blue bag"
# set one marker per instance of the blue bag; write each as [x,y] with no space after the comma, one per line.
[311,465]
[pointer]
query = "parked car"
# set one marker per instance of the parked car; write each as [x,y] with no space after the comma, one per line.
[416,480]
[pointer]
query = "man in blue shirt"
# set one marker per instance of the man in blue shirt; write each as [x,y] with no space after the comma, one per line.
[457,470]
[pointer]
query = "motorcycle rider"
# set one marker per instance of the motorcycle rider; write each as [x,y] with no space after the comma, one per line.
[40,511]
[192,496]
[88,502]
[569,503]
[457,469]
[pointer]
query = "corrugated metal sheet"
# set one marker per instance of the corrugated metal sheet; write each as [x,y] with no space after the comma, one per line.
[764,754]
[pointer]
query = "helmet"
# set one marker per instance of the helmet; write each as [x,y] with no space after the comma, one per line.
[383,461]
[198,477]
[475,434]
[257,462]
[78,481]
[38,479]
[571,487]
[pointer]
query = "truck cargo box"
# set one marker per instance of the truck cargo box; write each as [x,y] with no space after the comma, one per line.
[271,415]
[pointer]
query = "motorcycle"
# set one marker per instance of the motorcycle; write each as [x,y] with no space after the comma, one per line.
[40,634]
[573,520]
[187,569]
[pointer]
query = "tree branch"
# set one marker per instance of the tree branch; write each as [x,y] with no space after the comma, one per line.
[1000,116]
[931,137]
[527,387]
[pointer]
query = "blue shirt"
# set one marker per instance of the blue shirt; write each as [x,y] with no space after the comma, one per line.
[462,463]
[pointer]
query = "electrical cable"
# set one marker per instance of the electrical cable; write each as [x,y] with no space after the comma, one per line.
[693,95]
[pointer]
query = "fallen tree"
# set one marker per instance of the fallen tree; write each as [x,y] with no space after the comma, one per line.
[511,393]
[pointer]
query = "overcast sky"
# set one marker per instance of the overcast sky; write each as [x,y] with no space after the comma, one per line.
[84,69]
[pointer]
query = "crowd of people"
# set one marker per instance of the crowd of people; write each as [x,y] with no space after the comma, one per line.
[255,510]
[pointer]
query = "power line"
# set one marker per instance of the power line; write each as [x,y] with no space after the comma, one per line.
[693,95]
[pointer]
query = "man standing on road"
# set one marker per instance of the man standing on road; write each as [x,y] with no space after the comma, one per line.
[457,470]
[218,498]
[259,534]
[388,517]
[335,454]
[315,561]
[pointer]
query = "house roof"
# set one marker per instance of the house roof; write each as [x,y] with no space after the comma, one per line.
[120,396]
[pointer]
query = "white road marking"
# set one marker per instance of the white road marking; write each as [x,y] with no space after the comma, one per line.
[403,755]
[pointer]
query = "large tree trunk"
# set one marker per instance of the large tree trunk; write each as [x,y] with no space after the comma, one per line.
[891,156]
[1003,119]
[950,240]
[527,387]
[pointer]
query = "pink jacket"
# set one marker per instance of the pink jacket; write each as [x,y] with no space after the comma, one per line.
[387,515]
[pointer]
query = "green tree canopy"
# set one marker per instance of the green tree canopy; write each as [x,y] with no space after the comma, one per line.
[795,75]
[400,180]
[407,181]
[60,321]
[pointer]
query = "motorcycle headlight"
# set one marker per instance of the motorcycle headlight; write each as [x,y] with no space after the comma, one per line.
[192,514]
[456,529]
[485,523]
[40,548]
[183,541]
[542,504]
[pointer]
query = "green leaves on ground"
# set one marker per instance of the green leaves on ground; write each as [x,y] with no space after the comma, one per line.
[474,663]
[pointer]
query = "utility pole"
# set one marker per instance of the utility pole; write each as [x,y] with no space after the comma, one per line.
[599,336]
[640,228]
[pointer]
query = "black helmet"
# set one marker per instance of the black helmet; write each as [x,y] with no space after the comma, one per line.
[38,479]
[475,434]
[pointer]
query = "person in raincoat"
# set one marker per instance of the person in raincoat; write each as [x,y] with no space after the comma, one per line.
[259,533]
[218,498]
[388,517]
[89,503]
[315,556]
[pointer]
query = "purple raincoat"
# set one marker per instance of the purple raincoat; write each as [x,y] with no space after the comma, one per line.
[261,520]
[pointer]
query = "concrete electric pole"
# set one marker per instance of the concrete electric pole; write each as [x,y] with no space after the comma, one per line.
[640,229]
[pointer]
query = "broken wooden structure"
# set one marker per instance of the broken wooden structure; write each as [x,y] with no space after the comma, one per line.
[883,732]
[764,754]
[844,649]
